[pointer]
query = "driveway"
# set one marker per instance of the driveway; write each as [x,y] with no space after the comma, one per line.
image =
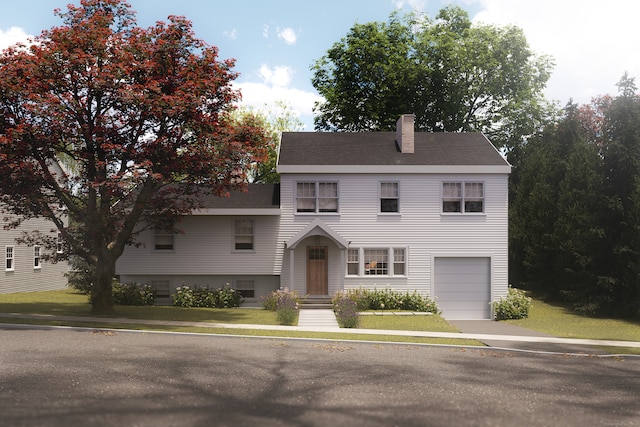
[62,377]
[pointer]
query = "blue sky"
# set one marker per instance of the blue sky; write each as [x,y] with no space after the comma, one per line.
[275,42]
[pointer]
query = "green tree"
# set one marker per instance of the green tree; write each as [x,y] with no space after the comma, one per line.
[143,114]
[274,121]
[454,75]
[621,152]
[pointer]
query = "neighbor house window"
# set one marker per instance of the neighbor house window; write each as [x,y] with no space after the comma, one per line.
[244,234]
[36,257]
[163,239]
[9,263]
[246,288]
[317,197]
[59,244]
[353,262]
[389,197]
[377,261]
[463,197]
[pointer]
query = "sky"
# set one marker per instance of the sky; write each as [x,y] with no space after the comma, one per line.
[276,42]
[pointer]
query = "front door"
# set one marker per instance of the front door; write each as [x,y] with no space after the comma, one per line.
[317,270]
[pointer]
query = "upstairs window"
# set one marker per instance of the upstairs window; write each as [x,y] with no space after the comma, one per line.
[317,197]
[163,239]
[462,197]
[244,234]
[36,257]
[9,263]
[389,197]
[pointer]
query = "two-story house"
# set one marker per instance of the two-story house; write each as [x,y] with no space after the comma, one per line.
[425,212]
[25,270]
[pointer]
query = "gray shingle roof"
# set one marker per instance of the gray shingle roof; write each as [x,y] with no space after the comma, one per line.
[379,148]
[258,196]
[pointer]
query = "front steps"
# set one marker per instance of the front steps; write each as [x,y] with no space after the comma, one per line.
[317,302]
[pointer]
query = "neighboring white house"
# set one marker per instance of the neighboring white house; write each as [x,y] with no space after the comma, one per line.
[425,212]
[24,270]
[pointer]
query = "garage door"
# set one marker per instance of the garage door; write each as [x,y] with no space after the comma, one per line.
[463,287]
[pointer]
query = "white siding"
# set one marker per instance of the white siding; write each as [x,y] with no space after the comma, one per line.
[24,277]
[420,226]
[206,247]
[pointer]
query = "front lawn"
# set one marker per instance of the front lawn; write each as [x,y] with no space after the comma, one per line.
[68,302]
[562,322]
[433,323]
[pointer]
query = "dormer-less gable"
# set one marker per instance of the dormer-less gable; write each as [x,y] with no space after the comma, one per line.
[378,152]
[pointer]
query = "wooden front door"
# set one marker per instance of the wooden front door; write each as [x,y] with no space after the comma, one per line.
[317,270]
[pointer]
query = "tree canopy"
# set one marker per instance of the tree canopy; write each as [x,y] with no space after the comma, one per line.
[575,207]
[452,74]
[141,115]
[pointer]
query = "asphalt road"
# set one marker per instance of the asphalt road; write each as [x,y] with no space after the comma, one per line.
[99,378]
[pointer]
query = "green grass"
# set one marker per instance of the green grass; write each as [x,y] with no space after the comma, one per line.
[432,323]
[548,318]
[561,322]
[70,303]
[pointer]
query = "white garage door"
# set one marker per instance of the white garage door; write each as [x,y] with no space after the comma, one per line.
[463,287]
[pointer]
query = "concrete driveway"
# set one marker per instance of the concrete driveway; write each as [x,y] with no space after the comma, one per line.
[79,377]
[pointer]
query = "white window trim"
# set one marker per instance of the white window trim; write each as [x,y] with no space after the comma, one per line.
[59,244]
[462,199]
[317,197]
[233,233]
[12,258]
[380,212]
[390,262]
[163,233]
[37,257]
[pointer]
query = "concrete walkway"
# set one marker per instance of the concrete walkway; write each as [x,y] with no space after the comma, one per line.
[495,334]
[317,318]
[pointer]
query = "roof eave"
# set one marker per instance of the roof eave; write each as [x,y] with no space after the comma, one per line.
[395,169]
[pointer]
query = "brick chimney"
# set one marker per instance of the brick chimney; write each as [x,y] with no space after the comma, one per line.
[404,133]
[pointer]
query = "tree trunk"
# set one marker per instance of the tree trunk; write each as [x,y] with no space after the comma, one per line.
[101,292]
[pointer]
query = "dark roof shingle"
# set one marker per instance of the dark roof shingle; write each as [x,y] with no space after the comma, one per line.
[379,148]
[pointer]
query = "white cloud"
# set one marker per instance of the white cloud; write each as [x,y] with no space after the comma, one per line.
[232,34]
[12,36]
[265,31]
[278,76]
[288,35]
[593,42]
[262,96]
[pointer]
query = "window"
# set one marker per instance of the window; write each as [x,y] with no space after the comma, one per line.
[36,257]
[467,197]
[376,262]
[246,288]
[317,197]
[244,234]
[9,258]
[353,262]
[389,197]
[398,262]
[163,239]
[59,244]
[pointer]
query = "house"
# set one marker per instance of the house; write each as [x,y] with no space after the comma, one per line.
[425,212]
[24,269]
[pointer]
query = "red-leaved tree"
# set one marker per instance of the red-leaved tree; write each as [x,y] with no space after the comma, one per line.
[108,129]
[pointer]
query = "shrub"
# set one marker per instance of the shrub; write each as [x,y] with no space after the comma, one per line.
[515,306]
[287,306]
[81,275]
[132,294]
[225,297]
[388,299]
[346,309]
